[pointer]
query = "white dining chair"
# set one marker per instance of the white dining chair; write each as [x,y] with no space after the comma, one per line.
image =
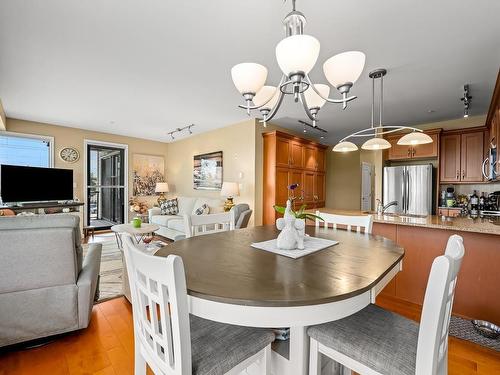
[169,339]
[348,221]
[375,341]
[197,225]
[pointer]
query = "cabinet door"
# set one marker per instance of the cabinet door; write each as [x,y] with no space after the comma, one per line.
[429,150]
[309,187]
[310,157]
[281,186]
[472,157]
[495,136]
[296,154]
[398,152]
[320,159]
[282,152]
[450,158]
[319,189]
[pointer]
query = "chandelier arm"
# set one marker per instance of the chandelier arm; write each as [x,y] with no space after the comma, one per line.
[273,111]
[336,101]
[393,129]
[283,79]
[306,108]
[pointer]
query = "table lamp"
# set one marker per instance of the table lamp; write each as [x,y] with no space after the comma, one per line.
[162,188]
[229,190]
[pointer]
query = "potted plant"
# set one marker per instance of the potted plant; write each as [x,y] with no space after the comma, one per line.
[301,212]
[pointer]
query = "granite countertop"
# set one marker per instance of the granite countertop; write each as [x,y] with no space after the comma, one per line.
[465,224]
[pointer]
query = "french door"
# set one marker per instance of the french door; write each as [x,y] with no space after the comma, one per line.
[106,185]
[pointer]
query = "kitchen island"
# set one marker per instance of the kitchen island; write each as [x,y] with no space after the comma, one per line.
[477,295]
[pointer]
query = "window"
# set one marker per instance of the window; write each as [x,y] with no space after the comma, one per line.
[26,150]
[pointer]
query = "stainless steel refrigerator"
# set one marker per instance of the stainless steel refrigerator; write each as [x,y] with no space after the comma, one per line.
[411,187]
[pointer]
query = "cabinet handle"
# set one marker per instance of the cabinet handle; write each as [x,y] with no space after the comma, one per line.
[413,152]
[463,174]
[458,175]
[409,151]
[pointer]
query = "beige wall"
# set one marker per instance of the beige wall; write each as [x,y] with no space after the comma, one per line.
[237,142]
[2,117]
[343,180]
[64,137]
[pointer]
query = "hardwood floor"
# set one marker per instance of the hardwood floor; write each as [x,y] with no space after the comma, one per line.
[106,347]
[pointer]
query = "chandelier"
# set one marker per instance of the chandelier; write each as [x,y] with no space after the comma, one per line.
[296,55]
[377,142]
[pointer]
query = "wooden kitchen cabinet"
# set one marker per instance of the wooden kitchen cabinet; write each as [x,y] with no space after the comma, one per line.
[403,152]
[462,155]
[287,160]
[493,124]
[472,156]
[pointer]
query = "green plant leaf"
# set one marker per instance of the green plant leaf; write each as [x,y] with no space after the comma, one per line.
[279,209]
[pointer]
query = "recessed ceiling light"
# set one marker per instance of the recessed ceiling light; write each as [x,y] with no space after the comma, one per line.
[112,122]
[431,111]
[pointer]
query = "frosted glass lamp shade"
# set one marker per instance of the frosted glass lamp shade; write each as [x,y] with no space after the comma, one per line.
[313,100]
[249,77]
[344,67]
[266,93]
[415,138]
[230,189]
[161,187]
[376,144]
[297,53]
[345,146]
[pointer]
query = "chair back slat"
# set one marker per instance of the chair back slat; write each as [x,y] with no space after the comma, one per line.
[196,225]
[348,221]
[160,309]
[432,350]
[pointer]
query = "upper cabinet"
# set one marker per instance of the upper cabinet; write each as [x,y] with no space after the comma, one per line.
[493,123]
[462,155]
[401,152]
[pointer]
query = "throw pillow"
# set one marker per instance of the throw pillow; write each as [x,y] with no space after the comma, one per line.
[169,207]
[203,210]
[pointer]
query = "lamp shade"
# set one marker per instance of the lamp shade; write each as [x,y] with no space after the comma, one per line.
[263,96]
[344,67]
[161,187]
[249,77]
[230,189]
[376,144]
[313,100]
[345,146]
[415,138]
[297,53]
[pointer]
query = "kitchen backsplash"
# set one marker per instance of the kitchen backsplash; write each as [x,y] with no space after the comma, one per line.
[469,189]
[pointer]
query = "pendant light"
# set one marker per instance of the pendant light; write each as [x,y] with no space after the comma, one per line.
[377,142]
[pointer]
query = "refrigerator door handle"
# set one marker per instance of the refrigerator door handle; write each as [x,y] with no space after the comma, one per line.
[407,205]
[403,191]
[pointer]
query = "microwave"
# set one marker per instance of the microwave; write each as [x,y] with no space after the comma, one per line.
[489,170]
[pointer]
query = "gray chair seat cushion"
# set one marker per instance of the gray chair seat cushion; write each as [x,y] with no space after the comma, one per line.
[383,341]
[216,348]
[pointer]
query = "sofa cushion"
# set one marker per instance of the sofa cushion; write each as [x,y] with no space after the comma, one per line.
[214,205]
[202,210]
[177,225]
[186,205]
[169,207]
[163,219]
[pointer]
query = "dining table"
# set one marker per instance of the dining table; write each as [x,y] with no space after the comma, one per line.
[230,281]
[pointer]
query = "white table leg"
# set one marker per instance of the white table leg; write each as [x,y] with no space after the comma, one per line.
[299,351]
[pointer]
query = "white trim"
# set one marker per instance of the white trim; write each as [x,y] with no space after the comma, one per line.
[86,143]
[47,138]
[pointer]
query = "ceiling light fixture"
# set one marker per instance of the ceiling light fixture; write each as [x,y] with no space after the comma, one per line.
[466,98]
[377,142]
[178,130]
[296,56]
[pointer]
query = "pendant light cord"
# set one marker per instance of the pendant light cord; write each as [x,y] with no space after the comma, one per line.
[381,99]
[373,97]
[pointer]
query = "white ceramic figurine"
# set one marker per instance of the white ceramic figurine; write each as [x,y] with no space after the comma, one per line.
[291,228]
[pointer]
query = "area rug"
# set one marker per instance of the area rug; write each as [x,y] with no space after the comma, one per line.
[110,282]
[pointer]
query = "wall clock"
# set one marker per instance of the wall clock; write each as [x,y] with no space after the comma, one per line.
[69,154]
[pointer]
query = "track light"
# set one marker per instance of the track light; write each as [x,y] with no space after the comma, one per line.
[178,130]
[466,98]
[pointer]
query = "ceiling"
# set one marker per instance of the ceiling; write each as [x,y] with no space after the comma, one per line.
[145,68]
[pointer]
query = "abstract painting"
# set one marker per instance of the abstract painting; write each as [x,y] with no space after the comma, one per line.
[207,172]
[147,170]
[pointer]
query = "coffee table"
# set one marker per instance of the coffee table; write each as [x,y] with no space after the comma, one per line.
[137,233]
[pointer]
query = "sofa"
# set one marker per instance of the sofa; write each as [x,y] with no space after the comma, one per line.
[46,287]
[172,226]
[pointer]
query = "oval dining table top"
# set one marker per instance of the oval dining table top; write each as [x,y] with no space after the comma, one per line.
[223,267]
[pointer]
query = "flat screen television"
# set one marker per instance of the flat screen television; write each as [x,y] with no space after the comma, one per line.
[33,184]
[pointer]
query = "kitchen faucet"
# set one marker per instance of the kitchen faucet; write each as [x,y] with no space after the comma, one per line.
[381,208]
